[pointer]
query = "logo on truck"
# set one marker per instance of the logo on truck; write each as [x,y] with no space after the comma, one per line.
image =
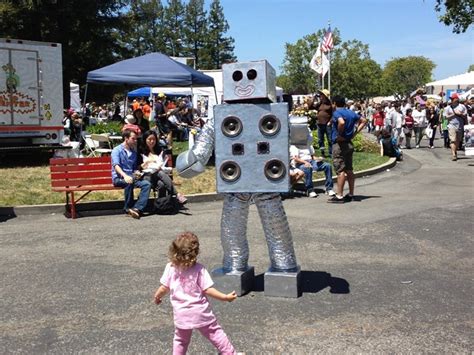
[13,99]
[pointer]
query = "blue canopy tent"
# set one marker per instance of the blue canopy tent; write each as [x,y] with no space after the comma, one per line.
[154,69]
[140,92]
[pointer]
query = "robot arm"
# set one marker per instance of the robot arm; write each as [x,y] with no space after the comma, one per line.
[193,162]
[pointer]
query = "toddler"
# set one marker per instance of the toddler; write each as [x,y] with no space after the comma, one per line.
[189,284]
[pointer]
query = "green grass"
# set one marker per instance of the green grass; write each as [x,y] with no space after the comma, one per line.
[31,185]
[26,181]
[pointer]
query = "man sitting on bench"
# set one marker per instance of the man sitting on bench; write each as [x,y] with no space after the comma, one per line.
[124,167]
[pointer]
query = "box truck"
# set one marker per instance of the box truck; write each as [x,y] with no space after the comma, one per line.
[31,95]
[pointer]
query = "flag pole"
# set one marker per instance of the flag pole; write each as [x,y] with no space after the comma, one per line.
[329,61]
[329,71]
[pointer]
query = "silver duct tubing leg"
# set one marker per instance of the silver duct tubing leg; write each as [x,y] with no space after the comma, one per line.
[234,232]
[277,232]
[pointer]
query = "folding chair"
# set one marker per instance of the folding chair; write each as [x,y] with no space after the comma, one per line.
[93,145]
[104,141]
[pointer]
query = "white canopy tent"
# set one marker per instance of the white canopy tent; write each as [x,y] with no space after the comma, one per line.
[456,82]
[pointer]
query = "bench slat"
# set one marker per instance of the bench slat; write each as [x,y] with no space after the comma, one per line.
[80,174]
[75,161]
[86,188]
[80,182]
[90,167]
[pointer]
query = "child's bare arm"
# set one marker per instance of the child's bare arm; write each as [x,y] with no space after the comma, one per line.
[160,292]
[218,295]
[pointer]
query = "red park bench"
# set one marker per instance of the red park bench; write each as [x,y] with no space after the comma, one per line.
[72,175]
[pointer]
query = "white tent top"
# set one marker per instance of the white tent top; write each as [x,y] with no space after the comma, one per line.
[465,79]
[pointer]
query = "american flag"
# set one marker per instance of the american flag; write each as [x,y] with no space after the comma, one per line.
[327,43]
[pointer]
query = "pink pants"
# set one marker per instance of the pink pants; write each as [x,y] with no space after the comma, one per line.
[213,332]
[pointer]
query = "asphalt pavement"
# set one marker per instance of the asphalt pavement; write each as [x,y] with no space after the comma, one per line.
[388,273]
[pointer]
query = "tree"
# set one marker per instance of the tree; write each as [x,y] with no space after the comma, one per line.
[143,29]
[195,30]
[85,28]
[402,76]
[353,73]
[459,13]
[173,22]
[218,49]
[297,77]
[471,68]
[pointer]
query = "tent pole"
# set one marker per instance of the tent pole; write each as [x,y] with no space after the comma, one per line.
[85,101]
[215,94]
[125,104]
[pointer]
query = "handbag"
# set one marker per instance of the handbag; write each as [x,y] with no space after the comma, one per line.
[429,132]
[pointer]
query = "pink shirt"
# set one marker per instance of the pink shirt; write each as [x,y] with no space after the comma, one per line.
[190,305]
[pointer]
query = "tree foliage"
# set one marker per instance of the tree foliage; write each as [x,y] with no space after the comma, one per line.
[173,24]
[94,33]
[196,30]
[458,13]
[219,49]
[297,77]
[471,68]
[401,76]
[143,29]
[85,28]
[353,73]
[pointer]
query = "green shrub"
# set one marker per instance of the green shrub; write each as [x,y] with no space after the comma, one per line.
[114,128]
[361,143]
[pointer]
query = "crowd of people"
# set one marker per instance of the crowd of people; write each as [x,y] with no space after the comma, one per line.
[337,124]
[171,118]
[148,130]
[394,123]
[154,126]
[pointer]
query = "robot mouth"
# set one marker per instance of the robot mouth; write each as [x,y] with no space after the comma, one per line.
[244,91]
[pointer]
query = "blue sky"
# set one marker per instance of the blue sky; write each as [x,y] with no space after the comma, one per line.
[391,28]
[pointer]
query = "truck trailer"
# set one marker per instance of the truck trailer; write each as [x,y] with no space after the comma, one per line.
[31,95]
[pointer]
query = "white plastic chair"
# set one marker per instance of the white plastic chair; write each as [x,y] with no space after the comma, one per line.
[93,145]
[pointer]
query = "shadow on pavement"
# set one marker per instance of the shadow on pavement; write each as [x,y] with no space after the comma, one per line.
[358,198]
[7,213]
[312,282]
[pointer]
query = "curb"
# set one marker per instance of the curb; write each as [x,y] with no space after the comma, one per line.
[115,207]
[372,171]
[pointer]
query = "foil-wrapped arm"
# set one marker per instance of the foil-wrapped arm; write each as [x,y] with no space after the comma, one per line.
[193,162]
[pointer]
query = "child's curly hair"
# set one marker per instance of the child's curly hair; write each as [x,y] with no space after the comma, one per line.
[184,250]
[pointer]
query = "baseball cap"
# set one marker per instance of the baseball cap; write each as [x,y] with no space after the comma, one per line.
[454,96]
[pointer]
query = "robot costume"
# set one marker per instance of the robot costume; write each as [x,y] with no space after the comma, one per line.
[250,136]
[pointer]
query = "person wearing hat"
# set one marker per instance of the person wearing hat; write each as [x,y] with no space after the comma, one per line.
[325,109]
[130,124]
[456,114]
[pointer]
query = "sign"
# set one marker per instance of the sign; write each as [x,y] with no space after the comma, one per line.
[469,139]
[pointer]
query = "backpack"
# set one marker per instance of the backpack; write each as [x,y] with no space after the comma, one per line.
[166,205]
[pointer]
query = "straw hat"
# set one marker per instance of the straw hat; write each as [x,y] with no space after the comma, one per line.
[325,92]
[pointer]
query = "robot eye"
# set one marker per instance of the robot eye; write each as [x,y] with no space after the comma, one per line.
[237,75]
[252,74]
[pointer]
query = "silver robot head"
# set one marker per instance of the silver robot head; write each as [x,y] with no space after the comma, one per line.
[249,82]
